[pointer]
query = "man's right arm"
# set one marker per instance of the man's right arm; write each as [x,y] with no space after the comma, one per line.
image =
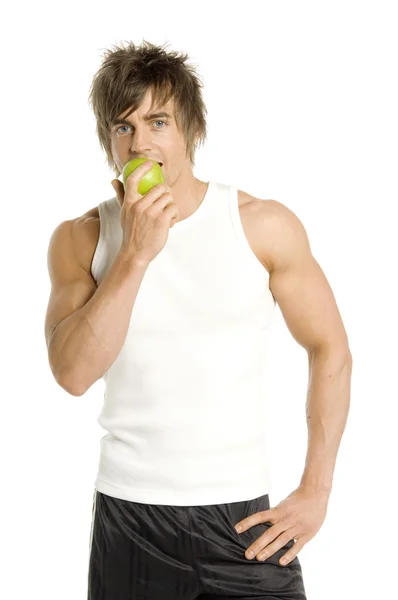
[86,325]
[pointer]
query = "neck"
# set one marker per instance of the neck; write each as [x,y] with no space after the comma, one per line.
[188,193]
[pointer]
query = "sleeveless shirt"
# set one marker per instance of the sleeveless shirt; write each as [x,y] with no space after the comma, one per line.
[185,400]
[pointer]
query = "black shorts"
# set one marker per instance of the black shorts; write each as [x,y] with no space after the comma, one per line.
[162,552]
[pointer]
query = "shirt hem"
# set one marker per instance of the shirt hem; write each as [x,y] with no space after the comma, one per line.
[182,497]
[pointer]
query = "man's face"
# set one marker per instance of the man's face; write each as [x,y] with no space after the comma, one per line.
[153,136]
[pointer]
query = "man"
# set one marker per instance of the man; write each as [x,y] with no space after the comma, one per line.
[169,297]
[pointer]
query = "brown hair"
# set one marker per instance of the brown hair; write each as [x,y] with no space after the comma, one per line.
[127,73]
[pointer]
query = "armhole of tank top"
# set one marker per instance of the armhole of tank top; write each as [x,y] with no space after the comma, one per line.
[240,234]
[100,248]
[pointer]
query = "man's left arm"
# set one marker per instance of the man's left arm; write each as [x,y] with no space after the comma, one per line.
[311,314]
[308,306]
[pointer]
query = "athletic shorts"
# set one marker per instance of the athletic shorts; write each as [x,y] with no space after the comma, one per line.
[163,552]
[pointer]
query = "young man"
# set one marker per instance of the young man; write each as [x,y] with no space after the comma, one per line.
[169,297]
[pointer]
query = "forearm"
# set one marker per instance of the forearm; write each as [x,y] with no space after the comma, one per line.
[87,342]
[327,410]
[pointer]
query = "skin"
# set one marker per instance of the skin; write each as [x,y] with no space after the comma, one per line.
[279,241]
[159,140]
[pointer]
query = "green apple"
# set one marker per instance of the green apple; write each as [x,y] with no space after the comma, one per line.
[150,178]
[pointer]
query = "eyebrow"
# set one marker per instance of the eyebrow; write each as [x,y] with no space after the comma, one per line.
[146,118]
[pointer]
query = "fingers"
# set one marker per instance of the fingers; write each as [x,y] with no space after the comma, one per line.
[134,178]
[159,196]
[119,189]
[254,519]
[266,546]
[262,549]
[129,190]
[292,553]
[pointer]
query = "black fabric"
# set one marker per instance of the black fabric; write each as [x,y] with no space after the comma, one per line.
[161,552]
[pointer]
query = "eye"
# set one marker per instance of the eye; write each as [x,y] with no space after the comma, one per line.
[164,123]
[117,130]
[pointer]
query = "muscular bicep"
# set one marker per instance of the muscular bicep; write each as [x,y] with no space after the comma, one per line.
[71,285]
[302,290]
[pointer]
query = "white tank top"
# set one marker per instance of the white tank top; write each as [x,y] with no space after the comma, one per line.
[185,399]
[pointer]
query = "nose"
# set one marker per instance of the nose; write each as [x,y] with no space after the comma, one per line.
[140,143]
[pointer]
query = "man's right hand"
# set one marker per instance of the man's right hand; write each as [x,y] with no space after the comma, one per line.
[145,219]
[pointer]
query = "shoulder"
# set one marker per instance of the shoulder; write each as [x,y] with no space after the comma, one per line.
[275,232]
[85,232]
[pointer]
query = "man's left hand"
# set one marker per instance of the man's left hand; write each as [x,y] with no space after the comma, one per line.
[298,517]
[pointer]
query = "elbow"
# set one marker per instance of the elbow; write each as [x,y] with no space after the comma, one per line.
[64,377]
[70,385]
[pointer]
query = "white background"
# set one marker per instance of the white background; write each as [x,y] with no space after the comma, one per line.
[302,102]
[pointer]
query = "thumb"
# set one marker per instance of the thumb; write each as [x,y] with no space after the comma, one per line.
[116,184]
